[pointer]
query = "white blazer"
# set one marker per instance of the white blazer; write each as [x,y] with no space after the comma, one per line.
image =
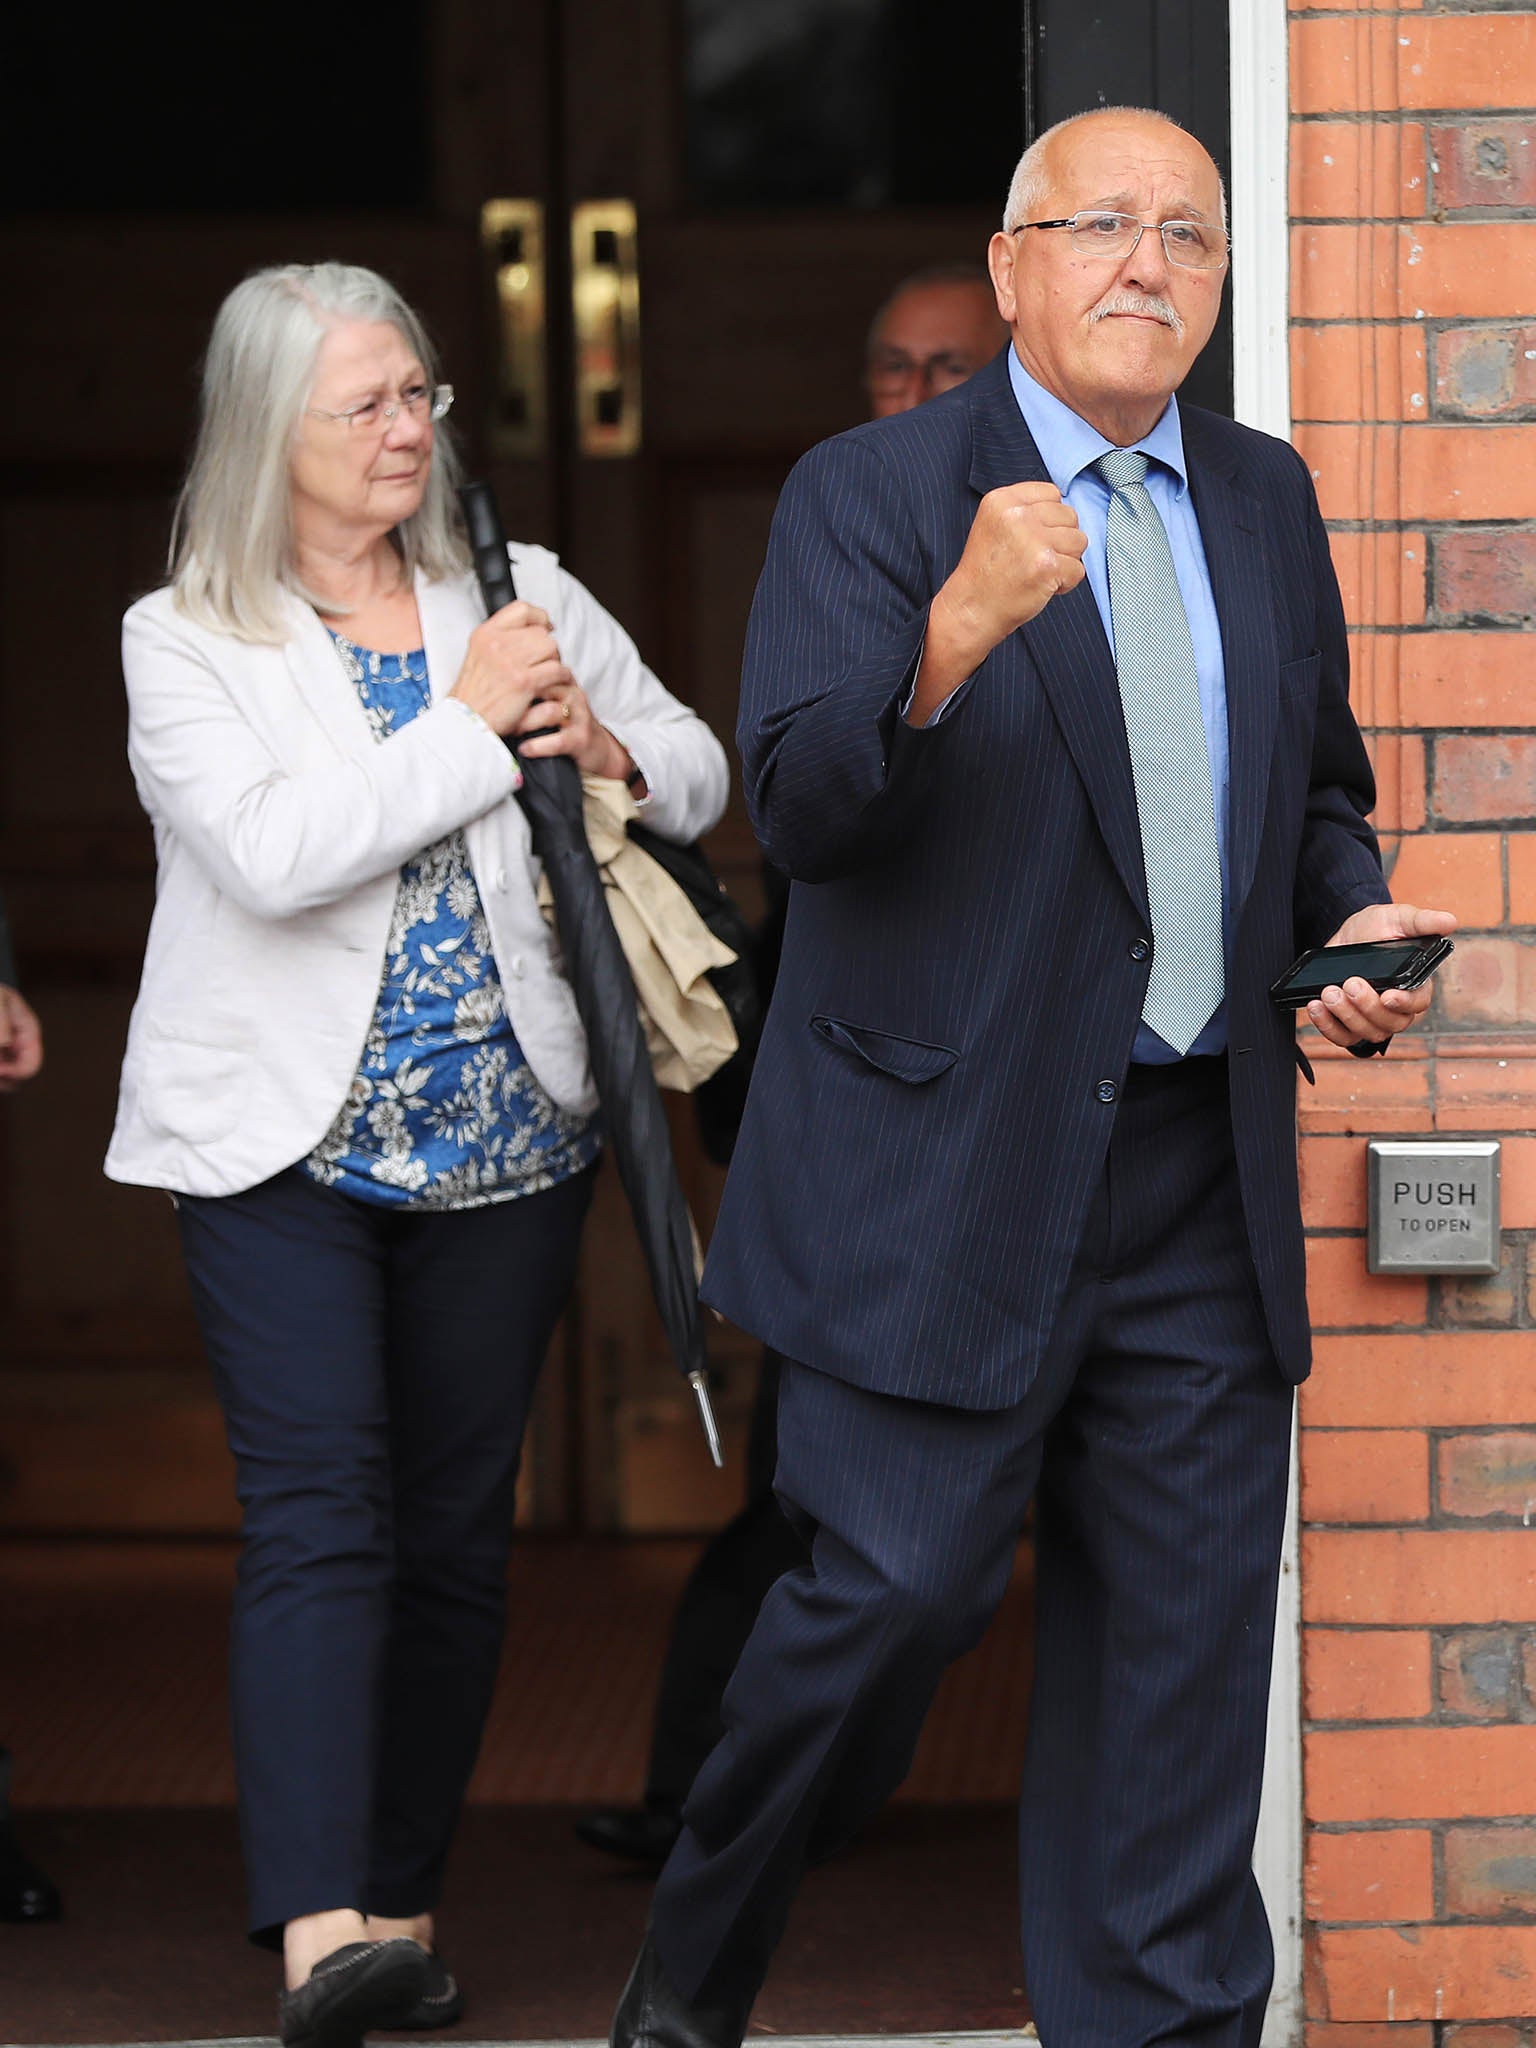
[281,825]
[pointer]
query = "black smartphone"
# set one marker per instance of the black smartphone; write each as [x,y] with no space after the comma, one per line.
[1384,963]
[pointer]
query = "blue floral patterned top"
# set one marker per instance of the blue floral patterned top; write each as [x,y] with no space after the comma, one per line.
[444,1112]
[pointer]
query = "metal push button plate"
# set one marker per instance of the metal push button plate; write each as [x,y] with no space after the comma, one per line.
[1433,1208]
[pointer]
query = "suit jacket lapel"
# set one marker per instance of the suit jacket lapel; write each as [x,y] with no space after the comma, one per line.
[1231,530]
[1066,641]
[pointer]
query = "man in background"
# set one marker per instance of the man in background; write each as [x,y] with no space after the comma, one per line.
[937,328]
[25,1894]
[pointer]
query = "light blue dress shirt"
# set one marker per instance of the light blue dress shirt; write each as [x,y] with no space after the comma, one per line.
[1069,448]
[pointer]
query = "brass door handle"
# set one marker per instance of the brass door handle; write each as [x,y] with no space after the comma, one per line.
[605,305]
[512,240]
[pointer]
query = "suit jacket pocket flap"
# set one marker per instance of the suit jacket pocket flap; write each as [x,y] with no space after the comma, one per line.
[1299,678]
[905,1059]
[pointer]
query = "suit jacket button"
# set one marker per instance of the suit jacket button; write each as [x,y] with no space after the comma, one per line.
[1139,950]
[1106,1091]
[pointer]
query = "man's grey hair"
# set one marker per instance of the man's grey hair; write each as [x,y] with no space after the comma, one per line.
[231,555]
[932,273]
[1031,177]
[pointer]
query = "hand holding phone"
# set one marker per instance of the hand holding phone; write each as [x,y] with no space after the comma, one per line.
[1354,1014]
[1384,963]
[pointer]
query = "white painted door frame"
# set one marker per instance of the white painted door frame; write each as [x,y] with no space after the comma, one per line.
[1261,385]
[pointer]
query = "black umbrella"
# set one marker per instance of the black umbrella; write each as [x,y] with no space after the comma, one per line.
[633,1116]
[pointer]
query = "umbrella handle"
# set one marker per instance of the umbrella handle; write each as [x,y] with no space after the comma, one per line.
[488,545]
[493,572]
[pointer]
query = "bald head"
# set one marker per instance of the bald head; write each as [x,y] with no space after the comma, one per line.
[936,329]
[1032,176]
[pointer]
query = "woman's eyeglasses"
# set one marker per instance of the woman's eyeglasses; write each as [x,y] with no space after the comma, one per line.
[374,415]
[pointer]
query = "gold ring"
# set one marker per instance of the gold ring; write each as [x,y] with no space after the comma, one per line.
[565,710]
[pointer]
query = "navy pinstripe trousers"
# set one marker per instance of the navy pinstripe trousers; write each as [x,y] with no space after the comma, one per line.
[1155,1440]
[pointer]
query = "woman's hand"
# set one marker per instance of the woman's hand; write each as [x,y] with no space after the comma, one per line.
[512,662]
[562,718]
[514,677]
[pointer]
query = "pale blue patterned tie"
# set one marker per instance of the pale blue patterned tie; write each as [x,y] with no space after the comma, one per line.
[1160,694]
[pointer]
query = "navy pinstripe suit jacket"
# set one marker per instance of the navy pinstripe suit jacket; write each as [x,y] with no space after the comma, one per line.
[926,1124]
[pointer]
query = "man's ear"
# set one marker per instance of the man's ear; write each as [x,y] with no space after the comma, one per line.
[1002,254]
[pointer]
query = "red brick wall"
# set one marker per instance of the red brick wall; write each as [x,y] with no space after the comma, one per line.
[1414,367]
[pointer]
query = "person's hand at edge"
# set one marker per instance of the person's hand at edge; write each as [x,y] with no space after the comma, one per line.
[21,1040]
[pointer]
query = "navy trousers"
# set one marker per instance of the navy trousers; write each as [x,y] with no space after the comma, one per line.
[717,1610]
[1157,1435]
[375,1368]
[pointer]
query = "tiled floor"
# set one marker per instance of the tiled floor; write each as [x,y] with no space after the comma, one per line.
[111,1695]
[112,1677]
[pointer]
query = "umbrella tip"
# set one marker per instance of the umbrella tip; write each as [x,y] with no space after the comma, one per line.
[700,1386]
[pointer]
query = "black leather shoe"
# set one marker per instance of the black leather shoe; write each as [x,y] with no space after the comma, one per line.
[25,1893]
[652,2015]
[441,2003]
[365,1984]
[645,1834]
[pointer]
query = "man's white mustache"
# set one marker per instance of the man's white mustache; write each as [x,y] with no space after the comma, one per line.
[1147,304]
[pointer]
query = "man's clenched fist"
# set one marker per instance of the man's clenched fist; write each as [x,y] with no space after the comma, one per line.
[1024,546]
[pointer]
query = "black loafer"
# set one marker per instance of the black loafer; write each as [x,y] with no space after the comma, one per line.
[645,1834]
[25,1893]
[441,2003]
[652,2015]
[365,1984]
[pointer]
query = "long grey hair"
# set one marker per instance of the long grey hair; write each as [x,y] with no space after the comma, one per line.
[231,556]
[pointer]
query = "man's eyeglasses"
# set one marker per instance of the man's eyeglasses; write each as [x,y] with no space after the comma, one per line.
[1191,244]
[374,415]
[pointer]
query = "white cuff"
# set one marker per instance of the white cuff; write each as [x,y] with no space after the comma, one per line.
[459,707]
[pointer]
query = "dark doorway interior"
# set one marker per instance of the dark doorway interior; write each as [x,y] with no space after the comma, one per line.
[786,167]
[1171,54]
[778,199]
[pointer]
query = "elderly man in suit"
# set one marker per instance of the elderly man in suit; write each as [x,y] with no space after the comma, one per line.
[1045,712]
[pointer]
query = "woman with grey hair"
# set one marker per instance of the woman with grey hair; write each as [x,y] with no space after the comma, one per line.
[356,1063]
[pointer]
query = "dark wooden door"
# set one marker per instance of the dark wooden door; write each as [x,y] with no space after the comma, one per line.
[787,167]
[775,160]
